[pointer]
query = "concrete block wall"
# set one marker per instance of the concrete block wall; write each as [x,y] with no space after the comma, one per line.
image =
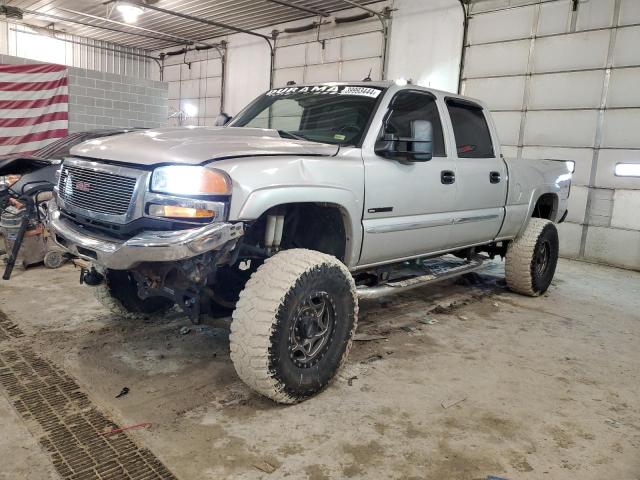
[106,100]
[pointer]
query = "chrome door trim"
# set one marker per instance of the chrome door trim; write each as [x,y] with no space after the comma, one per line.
[409,226]
[478,218]
[429,223]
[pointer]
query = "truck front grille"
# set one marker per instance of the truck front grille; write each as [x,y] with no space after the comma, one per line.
[96,191]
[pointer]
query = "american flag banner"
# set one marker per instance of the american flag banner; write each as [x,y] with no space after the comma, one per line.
[34,106]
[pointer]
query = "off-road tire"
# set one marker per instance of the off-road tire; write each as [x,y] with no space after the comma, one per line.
[268,313]
[118,294]
[525,272]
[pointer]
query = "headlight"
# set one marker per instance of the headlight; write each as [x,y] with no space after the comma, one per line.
[190,180]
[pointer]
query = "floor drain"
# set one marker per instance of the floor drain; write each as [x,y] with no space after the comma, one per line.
[69,422]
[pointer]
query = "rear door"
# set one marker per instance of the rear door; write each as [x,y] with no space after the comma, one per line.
[408,204]
[481,175]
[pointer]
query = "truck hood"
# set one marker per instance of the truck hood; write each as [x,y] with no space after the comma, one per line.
[196,145]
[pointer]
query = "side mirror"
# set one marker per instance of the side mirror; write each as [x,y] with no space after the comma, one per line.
[416,148]
[222,119]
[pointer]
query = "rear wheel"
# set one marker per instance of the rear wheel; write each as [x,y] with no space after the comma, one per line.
[119,294]
[293,325]
[532,258]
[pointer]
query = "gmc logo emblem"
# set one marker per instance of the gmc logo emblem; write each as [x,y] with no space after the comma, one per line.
[83,186]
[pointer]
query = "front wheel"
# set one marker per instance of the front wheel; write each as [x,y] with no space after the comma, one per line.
[532,258]
[293,324]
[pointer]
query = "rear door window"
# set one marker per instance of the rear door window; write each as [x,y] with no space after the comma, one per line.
[470,128]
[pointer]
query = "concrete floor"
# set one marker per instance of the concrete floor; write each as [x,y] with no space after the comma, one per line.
[505,385]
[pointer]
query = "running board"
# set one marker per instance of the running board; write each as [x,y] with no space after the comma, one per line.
[439,270]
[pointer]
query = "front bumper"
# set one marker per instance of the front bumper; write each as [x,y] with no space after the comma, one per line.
[150,246]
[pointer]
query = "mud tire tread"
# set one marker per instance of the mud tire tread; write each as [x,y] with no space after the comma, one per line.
[520,253]
[255,317]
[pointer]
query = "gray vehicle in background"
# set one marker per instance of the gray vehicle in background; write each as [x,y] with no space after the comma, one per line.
[26,183]
[313,197]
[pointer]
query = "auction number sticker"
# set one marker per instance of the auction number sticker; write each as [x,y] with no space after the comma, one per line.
[354,90]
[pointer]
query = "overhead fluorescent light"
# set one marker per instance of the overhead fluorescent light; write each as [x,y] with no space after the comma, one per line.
[129,11]
[627,170]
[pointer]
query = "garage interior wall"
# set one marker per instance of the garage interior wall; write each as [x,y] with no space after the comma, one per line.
[100,100]
[562,80]
[106,89]
[424,45]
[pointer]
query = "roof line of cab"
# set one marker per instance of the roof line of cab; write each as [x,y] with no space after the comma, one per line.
[387,85]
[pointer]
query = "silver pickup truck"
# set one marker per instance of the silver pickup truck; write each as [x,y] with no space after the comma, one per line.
[313,197]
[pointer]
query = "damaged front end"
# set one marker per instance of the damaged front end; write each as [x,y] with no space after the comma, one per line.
[156,233]
[187,283]
[179,266]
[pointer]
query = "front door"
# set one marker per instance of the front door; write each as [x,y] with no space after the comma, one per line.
[481,176]
[408,205]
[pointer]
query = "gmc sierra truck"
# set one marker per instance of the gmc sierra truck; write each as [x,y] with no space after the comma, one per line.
[313,197]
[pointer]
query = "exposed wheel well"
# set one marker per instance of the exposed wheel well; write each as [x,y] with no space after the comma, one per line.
[546,207]
[314,226]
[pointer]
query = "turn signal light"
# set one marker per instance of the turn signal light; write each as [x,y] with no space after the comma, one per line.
[170,211]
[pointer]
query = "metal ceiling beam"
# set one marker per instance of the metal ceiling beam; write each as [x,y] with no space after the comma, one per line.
[87,24]
[216,24]
[198,19]
[300,7]
[182,41]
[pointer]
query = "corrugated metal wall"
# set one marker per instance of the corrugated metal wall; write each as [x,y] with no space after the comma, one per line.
[21,41]
[563,84]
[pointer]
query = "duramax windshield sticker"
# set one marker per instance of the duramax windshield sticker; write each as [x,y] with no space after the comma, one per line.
[327,90]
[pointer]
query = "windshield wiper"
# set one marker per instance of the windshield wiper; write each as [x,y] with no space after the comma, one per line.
[295,136]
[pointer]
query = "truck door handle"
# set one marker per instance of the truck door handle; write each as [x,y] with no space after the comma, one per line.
[494,177]
[447,177]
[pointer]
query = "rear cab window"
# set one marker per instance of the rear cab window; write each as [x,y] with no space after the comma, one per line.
[470,129]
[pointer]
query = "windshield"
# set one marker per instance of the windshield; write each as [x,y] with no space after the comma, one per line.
[321,113]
